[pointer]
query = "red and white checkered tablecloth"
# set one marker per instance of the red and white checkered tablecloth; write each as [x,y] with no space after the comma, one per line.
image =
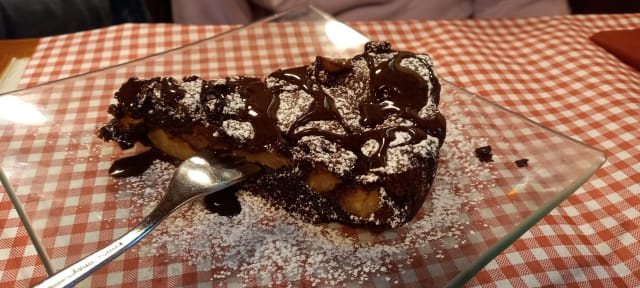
[544,68]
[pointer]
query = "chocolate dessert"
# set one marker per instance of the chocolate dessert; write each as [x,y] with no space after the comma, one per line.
[348,140]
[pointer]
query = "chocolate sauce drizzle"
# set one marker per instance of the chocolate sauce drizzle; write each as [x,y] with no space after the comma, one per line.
[135,165]
[323,107]
[393,91]
[224,202]
[261,108]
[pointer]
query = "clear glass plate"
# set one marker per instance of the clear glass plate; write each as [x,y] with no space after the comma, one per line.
[56,172]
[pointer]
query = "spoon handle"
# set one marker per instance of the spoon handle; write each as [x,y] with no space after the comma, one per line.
[73,274]
[194,178]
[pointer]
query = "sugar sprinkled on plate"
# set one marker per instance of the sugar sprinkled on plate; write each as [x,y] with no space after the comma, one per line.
[264,245]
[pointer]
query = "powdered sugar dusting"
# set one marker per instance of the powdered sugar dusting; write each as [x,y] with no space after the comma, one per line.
[239,130]
[334,157]
[420,65]
[348,109]
[191,100]
[264,246]
[395,121]
[192,88]
[370,147]
[293,102]
[401,137]
[381,57]
[367,178]
[233,104]
[333,126]
[400,158]
[428,111]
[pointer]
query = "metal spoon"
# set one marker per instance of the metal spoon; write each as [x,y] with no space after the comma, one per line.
[196,177]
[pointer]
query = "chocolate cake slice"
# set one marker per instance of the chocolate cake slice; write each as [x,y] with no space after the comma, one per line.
[348,140]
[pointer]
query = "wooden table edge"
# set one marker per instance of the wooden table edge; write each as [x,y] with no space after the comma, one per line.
[15,48]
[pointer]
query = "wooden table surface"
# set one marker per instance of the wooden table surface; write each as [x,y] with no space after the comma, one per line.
[16,48]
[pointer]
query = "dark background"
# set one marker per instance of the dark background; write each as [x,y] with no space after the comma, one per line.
[28,19]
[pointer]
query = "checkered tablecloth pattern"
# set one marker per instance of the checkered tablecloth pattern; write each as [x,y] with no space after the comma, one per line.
[544,68]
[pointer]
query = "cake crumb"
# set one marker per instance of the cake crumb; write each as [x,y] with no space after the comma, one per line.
[484,153]
[524,162]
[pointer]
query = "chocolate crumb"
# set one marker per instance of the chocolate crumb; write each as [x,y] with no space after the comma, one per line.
[524,162]
[484,153]
[224,202]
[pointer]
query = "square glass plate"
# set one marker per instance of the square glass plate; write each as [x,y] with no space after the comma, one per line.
[55,170]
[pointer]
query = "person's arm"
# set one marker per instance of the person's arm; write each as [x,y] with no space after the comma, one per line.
[211,11]
[519,8]
[279,5]
[359,10]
